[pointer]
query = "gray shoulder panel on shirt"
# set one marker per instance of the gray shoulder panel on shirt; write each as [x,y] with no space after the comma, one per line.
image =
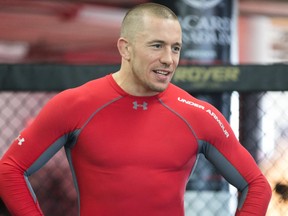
[227,170]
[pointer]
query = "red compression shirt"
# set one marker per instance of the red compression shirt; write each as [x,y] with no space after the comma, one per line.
[129,155]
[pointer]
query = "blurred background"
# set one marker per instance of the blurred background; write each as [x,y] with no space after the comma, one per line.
[234,55]
[84,32]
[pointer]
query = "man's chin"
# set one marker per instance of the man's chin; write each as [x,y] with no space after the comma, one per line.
[160,89]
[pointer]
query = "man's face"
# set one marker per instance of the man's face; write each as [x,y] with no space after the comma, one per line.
[155,53]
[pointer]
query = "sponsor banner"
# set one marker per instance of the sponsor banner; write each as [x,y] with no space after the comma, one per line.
[230,78]
[57,77]
[208,28]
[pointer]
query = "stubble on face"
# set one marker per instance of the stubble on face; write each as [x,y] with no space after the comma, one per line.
[146,67]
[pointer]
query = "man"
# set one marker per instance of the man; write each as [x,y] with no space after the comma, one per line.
[132,138]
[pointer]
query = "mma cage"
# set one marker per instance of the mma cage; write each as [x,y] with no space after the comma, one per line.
[254,98]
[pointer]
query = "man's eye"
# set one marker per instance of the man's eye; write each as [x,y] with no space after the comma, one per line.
[157,45]
[176,49]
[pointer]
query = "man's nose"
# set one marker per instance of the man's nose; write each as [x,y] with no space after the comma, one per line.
[167,57]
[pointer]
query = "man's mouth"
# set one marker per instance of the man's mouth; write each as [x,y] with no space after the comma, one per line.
[161,72]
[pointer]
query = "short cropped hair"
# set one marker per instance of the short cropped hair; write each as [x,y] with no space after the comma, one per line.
[133,21]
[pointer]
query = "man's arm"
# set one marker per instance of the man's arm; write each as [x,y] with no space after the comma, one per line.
[254,190]
[15,188]
[28,152]
[236,165]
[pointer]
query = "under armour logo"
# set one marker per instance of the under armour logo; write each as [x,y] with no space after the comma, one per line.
[20,140]
[136,105]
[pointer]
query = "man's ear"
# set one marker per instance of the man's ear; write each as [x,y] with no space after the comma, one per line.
[123,48]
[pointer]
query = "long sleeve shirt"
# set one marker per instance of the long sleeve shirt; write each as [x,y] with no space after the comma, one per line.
[129,155]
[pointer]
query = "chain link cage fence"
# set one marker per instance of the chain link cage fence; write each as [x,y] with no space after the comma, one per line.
[258,118]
